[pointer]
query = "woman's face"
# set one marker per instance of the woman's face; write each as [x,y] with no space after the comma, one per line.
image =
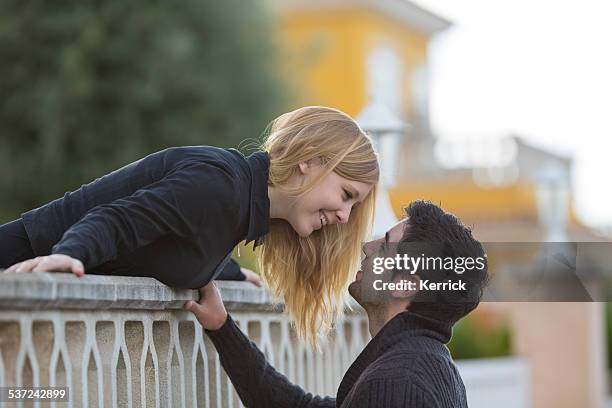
[329,202]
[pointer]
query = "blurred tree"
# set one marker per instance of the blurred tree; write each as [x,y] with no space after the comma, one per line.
[88,86]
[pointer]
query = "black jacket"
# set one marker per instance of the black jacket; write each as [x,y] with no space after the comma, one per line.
[174,215]
[406,364]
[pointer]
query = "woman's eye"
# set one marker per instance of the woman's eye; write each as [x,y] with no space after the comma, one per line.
[347,195]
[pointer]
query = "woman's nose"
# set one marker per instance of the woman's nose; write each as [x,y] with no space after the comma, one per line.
[344,214]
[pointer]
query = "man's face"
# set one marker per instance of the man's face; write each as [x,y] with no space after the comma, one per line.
[362,289]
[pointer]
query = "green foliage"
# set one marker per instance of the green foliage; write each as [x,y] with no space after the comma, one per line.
[88,86]
[474,340]
[246,256]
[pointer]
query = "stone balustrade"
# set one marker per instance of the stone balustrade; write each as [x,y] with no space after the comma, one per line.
[126,342]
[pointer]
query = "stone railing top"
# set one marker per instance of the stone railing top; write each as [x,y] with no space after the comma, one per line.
[42,290]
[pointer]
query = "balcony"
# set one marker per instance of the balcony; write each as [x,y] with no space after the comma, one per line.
[126,342]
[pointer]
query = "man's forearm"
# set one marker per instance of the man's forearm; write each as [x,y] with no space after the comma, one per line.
[255,380]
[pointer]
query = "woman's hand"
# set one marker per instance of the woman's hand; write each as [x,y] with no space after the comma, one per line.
[50,263]
[252,277]
[210,310]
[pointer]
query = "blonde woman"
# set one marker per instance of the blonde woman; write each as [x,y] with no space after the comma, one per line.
[306,199]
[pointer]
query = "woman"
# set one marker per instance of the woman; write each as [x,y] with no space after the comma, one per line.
[176,215]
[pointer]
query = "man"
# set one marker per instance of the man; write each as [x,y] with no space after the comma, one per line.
[407,363]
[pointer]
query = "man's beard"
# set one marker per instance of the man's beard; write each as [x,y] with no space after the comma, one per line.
[368,298]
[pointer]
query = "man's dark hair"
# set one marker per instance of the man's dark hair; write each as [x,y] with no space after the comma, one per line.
[432,232]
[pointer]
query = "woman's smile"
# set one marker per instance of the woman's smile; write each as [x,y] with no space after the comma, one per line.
[323,218]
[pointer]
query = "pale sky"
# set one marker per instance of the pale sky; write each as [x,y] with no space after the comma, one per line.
[538,68]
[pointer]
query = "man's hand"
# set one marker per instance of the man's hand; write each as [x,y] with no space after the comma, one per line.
[51,263]
[210,310]
[252,277]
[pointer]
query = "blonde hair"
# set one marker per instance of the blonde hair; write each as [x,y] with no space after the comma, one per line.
[312,273]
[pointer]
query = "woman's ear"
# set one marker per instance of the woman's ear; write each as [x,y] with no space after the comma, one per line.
[304,167]
[307,166]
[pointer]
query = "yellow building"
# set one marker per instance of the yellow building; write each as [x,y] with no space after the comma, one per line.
[344,53]
[338,53]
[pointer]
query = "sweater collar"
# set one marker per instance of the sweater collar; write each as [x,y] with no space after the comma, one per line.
[395,331]
[259,208]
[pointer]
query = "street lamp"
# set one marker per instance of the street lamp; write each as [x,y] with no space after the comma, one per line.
[553,201]
[386,131]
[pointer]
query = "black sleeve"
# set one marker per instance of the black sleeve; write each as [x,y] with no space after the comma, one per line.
[231,271]
[258,384]
[175,204]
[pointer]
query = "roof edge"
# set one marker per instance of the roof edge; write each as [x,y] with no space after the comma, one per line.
[405,11]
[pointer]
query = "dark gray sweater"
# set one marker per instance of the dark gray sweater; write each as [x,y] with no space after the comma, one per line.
[407,364]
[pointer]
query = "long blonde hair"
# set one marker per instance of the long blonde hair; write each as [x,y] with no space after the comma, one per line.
[311,274]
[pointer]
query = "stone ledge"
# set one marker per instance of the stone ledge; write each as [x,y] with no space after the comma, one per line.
[43,290]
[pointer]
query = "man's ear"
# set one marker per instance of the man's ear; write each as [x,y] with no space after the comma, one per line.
[410,290]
